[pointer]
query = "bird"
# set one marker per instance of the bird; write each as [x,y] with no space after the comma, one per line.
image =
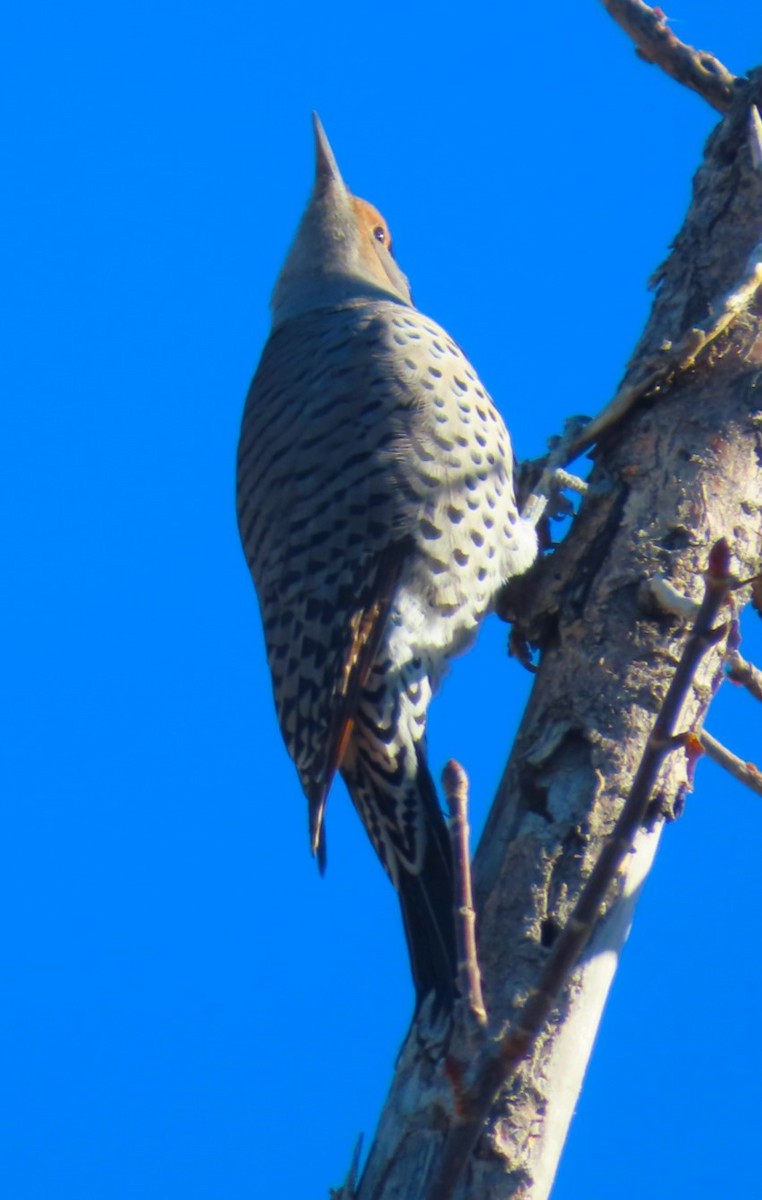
[378,517]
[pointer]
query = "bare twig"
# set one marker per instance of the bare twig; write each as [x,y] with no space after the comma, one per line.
[670,600]
[455,785]
[741,671]
[657,373]
[745,772]
[495,1065]
[656,43]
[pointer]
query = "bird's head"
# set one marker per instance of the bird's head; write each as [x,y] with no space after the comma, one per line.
[342,250]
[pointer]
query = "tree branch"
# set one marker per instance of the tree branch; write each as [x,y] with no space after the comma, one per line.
[657,44]
[744,772]
[657,373]
[669,481]
[668,599]
[501,1056]
[743,672]
[455,786]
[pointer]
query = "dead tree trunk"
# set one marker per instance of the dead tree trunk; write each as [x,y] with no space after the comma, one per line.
[679,471]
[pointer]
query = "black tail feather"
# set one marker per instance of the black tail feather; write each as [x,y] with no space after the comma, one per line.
[427,902]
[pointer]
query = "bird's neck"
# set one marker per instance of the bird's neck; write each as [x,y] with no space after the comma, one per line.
[294,296]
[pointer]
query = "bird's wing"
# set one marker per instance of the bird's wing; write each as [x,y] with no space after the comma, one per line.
[362,636]
[325,518]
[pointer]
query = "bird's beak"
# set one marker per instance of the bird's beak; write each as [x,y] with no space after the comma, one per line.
[327,173]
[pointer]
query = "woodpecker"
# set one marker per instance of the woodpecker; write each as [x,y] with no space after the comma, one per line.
[378,517]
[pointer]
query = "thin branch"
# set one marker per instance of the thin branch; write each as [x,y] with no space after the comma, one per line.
[455,786]
[657,44]
[500,1057]
[741,671]
[745,772]
[669,600]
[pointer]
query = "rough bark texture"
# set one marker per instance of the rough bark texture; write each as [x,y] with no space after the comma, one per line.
[681,472]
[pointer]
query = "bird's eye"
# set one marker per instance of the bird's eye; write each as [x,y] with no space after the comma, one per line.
[379,234]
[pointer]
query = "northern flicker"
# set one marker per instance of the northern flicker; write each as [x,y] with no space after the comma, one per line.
[377,513]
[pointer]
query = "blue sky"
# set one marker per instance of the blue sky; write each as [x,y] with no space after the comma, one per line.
[186,1009]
